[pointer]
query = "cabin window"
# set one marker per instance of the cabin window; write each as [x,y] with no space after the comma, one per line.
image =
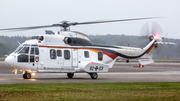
[86,54]
[32,50]
[100,56]
[25,50]
[59,53]
[66,54]
[53,54]
[36,51]
[23,58]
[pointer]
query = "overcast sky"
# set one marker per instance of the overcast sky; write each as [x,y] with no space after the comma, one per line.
[22,13]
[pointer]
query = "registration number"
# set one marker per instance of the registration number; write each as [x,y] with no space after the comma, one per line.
[95,68]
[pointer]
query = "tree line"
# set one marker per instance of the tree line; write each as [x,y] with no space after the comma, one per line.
[9,44]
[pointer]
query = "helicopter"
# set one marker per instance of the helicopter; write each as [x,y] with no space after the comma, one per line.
[72,52]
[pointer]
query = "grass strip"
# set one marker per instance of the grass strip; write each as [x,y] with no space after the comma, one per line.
[91,91]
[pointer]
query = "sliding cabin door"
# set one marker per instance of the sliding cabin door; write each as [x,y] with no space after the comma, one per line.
[67,58]
[74,58]
[70,59]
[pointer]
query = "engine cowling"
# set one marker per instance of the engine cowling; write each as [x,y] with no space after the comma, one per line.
[151,38]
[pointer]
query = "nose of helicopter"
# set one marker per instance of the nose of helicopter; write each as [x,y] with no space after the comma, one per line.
[9,60]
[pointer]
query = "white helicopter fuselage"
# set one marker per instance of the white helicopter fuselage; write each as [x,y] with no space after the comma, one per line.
[70,52]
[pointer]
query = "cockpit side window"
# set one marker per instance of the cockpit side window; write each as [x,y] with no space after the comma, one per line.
[25,50]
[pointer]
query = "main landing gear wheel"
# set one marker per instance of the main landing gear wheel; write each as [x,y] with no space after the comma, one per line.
[27,75]
[94,75]
[70,75]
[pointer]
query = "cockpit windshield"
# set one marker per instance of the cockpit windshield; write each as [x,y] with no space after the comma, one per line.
[18,49]
[25,50]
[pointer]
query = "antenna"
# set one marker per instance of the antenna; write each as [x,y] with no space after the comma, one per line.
[165,35]
[18,42]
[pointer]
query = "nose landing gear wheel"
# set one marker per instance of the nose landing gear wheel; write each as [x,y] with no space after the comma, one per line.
[94,75]
[27,75]
[70,75]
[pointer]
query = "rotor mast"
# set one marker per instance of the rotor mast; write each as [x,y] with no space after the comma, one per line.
[64,25]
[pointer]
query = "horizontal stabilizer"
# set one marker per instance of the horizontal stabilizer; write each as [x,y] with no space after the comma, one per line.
[145,61]
[165,43]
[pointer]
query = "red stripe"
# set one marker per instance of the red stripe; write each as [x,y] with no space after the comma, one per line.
[111,55]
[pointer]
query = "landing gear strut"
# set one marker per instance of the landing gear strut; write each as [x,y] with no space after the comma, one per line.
[93,75]
[27,75]
[70,75]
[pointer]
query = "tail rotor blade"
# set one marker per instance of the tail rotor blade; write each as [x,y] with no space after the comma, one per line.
[150,31]
[156,29]
[145,30]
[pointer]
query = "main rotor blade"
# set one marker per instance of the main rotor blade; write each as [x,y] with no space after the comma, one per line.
[95,22]
[29,28]
[65,24]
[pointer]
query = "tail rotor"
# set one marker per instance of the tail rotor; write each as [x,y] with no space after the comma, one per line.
[150,30]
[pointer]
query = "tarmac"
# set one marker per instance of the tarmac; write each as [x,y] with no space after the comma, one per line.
[120,72]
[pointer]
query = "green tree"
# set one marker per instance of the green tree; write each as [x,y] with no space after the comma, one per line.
[3,50]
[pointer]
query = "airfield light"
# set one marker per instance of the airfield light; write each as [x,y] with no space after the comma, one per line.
[33,74]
